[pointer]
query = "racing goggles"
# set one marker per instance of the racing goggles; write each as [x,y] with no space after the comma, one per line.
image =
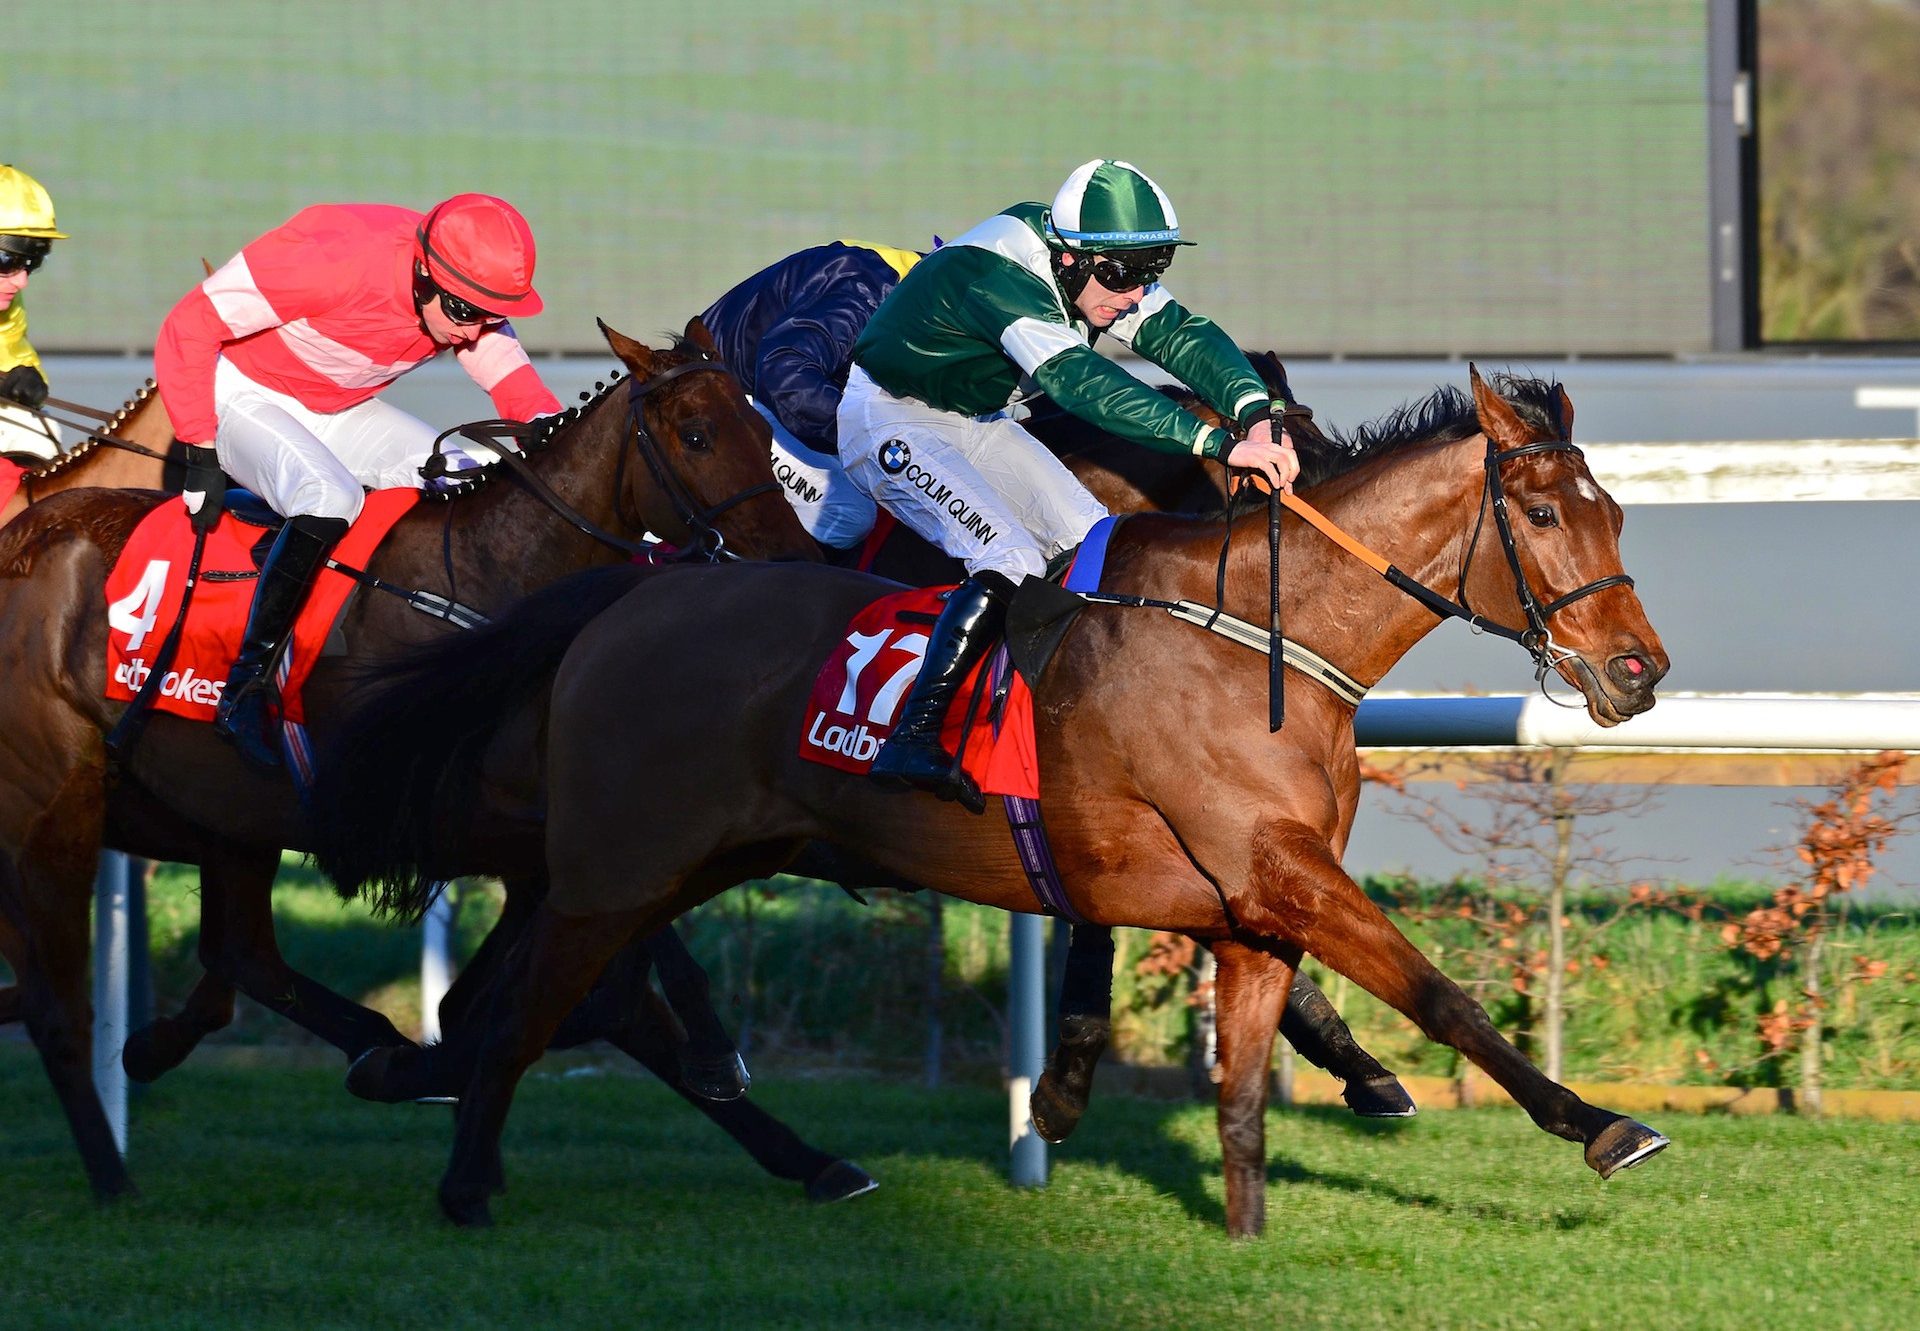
[22,254]
[1142,269]
[458,310]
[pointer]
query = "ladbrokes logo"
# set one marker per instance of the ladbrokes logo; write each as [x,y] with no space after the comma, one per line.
[856,741]
[181,684]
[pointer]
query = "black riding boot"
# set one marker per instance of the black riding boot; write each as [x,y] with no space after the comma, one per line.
[245,713]
[914,756]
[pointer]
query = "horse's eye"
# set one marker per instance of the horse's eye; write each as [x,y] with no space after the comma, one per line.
[1541,515]
[696,436]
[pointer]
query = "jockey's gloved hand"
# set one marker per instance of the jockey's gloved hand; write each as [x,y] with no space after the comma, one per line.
[24,384]
[205,489]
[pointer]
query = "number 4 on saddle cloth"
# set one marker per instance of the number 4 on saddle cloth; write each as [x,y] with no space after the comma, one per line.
[145,588]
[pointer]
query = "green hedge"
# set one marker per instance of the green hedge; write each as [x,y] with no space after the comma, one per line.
[802,968]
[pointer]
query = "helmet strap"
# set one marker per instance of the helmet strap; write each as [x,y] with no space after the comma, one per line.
[1071,277]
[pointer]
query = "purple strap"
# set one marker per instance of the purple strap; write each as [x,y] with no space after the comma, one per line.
[1023,815]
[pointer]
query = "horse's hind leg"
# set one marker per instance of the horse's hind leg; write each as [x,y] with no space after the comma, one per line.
[710,1063]
[774,1146]
[1332,918]
[1249,991]
[1314,1028]
[1086,1023]
[1309,1023]
[556,964]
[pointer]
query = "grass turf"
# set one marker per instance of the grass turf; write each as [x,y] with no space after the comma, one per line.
[273,1199]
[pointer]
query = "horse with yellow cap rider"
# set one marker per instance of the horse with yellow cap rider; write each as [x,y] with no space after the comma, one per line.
[27,233]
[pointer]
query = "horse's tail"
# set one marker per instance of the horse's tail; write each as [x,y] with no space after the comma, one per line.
[395,787]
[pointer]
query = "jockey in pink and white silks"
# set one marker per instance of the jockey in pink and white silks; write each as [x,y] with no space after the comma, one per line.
[273,364]
[1006,311]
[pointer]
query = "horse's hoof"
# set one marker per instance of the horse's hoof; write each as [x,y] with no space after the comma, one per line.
[838,1181]
[723,1078]
[393,1074]
[1622,1144]
[1055,1113]
[466,1211]
[118,1187]
[1379,1097]
[149,1055]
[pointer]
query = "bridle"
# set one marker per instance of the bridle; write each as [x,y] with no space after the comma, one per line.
[1537,636]
[708,542]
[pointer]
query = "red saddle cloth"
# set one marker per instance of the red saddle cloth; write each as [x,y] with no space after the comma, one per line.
[858,696]
[145,587]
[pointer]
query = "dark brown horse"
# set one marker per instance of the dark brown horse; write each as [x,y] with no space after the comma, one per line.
[676,450]
[669,764]
[131,449]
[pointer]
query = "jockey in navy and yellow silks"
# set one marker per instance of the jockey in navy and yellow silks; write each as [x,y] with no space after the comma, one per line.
[27,233]
[787,333]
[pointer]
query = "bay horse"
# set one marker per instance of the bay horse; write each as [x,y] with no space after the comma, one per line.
[133,448]
[1130,479]
[664,743]
[674,450]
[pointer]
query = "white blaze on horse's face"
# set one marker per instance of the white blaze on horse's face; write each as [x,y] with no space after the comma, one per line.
[1587,490]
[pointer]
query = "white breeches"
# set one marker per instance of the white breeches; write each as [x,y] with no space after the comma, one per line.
[832,508]
[305,461]
[984,491]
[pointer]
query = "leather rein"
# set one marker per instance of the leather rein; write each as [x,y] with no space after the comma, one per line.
[708,541]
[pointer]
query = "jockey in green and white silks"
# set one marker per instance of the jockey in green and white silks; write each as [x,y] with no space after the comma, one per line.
[1004,312]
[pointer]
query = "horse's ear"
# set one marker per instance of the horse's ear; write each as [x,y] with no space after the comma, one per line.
[1498,420]
[698,335]
[1272,373]
[637,356]
[1566,411]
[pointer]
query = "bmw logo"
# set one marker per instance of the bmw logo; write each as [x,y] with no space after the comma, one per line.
[894,456]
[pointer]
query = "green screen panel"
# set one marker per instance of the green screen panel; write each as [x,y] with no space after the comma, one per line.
[1364,178]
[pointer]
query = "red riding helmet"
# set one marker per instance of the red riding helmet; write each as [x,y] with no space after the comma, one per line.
[480,249]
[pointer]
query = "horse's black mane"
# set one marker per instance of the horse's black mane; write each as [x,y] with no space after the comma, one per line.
[1442,416]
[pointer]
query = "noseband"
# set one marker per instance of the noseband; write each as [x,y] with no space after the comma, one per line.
[708,541]
[1536,637]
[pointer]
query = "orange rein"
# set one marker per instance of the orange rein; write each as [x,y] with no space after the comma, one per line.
[1320,522]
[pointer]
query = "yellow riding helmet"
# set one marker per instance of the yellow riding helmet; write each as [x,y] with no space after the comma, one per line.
[25,207]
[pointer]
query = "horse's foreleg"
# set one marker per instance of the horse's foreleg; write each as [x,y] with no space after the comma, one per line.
[710,1063]
[1299,892]
[1086,1023]
[50,948]
[162,1045]
[238,946]
[1250,988]
[1312,1026]
[557,962]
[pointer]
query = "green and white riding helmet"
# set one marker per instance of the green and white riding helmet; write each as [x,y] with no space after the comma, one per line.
[1108,205]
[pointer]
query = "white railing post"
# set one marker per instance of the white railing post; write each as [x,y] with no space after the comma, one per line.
[436,961]
[1026,1020]
[110,971]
